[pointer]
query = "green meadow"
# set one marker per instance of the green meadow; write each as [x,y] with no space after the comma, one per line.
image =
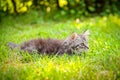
[101,62]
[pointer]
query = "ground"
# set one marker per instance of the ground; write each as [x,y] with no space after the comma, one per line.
[101,62]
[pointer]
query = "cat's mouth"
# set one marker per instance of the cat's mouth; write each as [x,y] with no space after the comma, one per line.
[78,52]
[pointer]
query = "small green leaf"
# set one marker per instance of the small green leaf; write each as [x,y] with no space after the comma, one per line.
[91,8]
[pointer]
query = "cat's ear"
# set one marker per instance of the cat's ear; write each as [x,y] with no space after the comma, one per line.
[73,36]
[86,34]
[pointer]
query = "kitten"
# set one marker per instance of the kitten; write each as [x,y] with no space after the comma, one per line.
[76,43]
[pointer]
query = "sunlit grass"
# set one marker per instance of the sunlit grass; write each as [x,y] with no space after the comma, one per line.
[101,62]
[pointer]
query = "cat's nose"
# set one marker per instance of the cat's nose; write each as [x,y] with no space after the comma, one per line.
[87,47]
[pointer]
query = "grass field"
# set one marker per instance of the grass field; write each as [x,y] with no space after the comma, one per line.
[101,62]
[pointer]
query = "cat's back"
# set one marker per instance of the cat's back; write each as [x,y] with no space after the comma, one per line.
[49,45]
[46,42]
[44,45]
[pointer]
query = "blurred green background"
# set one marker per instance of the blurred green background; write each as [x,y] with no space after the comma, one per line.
[63,7]
[22,20]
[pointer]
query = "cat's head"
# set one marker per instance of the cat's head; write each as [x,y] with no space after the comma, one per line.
[77,42]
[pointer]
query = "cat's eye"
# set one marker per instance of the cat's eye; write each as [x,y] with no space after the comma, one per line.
[77,46]
[65,43]
[82,44]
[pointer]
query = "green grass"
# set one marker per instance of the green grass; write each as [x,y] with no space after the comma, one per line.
[101,62]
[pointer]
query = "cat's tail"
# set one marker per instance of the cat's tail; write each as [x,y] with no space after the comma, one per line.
[12,45]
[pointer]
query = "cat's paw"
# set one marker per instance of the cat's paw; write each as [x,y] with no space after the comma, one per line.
[11,45]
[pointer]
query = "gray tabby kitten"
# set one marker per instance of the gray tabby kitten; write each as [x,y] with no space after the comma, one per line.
[76,43]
